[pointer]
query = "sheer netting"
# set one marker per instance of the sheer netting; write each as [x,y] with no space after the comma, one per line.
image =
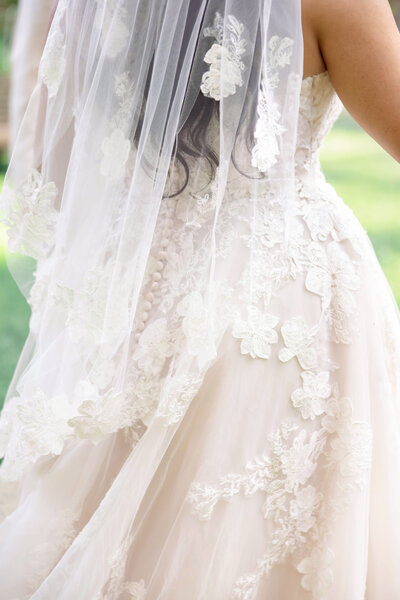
[208,402]
[28,40]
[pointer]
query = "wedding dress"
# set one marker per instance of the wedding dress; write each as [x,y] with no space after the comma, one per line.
[281,479]
[29,37]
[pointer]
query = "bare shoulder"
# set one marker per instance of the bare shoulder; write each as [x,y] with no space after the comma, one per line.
[360,45]
[343,26]
[326,12]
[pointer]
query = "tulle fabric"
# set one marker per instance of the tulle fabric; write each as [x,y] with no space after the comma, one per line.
[82,202]
[108,490]
[208,399]
[29,37]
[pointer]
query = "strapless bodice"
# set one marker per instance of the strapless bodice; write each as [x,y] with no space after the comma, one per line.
[320,106]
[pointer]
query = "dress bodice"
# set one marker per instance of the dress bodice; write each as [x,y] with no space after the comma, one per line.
[320,106]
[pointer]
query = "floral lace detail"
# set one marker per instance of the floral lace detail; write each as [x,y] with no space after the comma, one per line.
[257,333]
[325,253]
[52,65]
[117,147]
[176,397]
[284,473]
[334,277]
[172,311]
[224,56]
[30,216]
[32,425]
[99,413]
[268,126]
[311,398]
[116,588]
[111,19]
[299,342]
[317,569]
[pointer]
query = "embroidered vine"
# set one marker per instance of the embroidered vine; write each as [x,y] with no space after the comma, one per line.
[284,474]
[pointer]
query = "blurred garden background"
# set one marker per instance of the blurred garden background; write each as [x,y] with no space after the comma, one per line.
[363,174]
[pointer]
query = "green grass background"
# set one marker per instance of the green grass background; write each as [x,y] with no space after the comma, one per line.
[364,175]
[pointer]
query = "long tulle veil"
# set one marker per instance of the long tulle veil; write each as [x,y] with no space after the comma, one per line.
[121,337]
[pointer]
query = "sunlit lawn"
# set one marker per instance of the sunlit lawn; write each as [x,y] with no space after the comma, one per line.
[14,315]
[362,173]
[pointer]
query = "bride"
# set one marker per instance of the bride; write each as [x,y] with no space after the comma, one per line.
[207,405]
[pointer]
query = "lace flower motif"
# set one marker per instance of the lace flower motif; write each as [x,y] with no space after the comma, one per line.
[317,573]
[268,126]
[332,276]
[224,58]
[32,426]
[176,396]
[99,415]
[30,216]
[311,398]
[298,340]
[257,334]
[111,20]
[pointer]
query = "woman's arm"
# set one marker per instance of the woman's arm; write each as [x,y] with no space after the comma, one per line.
[360,45]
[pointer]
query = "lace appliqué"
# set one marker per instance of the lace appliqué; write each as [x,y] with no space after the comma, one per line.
[30,216]
[111,18]
[117,147]
[299,342]
[317,571]
[311,399]
[333,276]
[176,396]
[53,64]
[116,587]
[224,58]
[31,426]
[303,518]
[99,413]
[268,127]
[257,333]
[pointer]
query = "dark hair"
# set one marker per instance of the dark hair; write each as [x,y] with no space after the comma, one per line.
[192,141]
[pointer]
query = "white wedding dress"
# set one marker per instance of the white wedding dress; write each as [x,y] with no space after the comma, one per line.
[283,480]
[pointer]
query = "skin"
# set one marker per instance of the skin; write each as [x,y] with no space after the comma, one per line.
[358,42]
